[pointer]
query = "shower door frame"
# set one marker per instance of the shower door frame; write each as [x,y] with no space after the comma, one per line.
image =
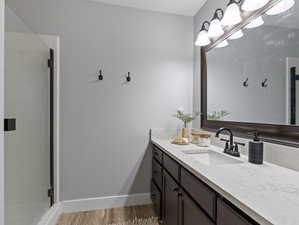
[2,9]
[53,42]
[294,77]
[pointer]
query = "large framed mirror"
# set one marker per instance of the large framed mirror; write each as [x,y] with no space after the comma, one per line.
[250,80]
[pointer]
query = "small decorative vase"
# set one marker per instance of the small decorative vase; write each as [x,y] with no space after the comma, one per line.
[185,133]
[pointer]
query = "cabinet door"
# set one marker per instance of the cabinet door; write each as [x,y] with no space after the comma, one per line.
[191,214]
[226,215]
[157,173]
[171,201]
[156,198]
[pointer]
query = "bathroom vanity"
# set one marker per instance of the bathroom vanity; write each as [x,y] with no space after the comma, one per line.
[192,185]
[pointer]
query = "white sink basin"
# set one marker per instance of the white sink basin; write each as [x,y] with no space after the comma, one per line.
[211,158]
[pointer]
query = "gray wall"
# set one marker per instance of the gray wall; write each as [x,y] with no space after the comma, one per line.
[105,125]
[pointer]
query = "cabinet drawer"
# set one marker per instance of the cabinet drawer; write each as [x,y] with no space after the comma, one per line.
[157,154]
[226,215]
[171,166]
[202,194]
[156,199]
[157,173]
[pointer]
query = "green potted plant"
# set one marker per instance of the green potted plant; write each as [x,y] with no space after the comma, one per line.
[186,119]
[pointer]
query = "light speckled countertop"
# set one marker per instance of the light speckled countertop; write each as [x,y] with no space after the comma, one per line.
[267,193]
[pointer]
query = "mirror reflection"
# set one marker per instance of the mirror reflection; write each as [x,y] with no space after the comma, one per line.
[254,75]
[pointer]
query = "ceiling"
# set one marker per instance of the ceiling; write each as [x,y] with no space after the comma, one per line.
[179,7]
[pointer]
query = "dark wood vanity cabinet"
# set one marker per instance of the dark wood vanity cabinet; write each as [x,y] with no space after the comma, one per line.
[200,192]
[157,174]
[179,208]
[191,214]
[170,201]
[227,215]
[180,198]
[156,196]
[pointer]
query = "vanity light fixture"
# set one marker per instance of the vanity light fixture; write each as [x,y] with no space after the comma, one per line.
[252,5]
[281,7]
[236,35]
[203,38]
[232,15]
[222,44]
[216,29]
[255,23]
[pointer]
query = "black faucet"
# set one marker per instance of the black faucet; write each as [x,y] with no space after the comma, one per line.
[230,148]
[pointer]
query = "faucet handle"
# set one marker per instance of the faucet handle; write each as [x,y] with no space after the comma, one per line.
[226,144]
[236,150]
[239,143]
[222,139]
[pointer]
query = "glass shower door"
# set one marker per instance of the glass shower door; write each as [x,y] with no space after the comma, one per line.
[27,149]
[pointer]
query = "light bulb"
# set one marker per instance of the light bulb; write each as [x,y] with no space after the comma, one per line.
[222,44]
[236,35]
[255,23]
[232,15]
[202,38]
[252,5]
[216,29]
[281,7]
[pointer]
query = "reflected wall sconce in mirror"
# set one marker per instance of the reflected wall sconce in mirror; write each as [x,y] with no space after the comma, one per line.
[203,38]
[216,29]
[245,83]
[232,15]
[281,7]
[265,83]
[222,44]
[252,5]
[255,23]
[236,35]
[100,76]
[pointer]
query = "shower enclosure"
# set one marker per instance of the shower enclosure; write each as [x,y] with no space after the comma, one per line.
[28,140]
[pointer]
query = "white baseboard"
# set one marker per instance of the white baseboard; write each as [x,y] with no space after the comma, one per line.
[80,205]
[52,215]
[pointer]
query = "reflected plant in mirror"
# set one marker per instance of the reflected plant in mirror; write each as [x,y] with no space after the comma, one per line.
[217,115]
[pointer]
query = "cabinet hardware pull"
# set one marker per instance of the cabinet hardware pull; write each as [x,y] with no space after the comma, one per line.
[175,189]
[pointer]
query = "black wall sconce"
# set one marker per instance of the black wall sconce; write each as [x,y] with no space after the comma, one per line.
[265,83]
[245,83]
[100,76]
[128,78]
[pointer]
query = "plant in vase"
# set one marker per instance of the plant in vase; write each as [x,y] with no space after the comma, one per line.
[186,119]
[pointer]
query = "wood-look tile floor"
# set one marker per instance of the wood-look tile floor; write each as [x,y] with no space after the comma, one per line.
[107,216]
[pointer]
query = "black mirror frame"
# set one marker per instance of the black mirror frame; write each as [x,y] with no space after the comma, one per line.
[278,134]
